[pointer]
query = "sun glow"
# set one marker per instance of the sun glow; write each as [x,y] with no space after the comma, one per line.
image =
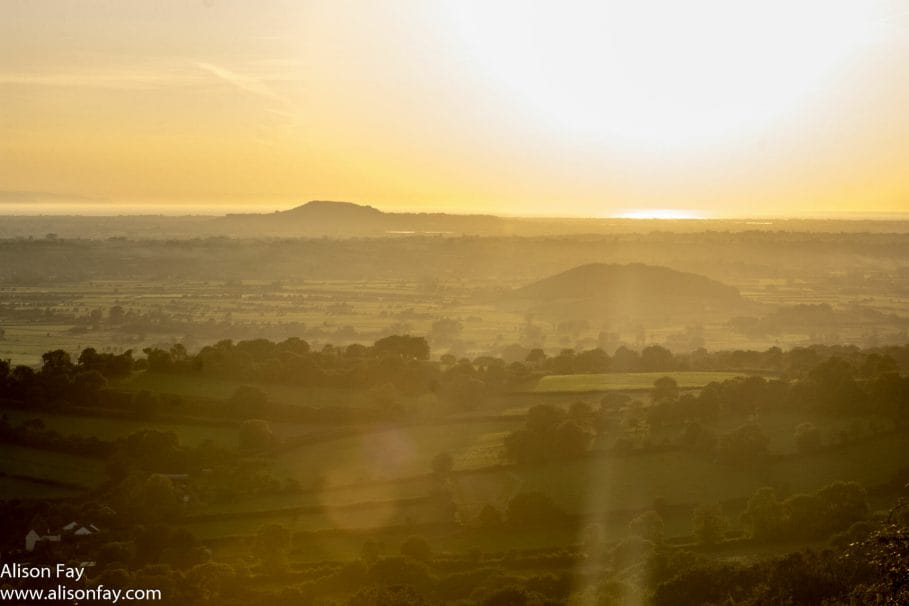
[661,72]
[661,213]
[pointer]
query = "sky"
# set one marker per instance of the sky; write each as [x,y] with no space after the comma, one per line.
[704,108]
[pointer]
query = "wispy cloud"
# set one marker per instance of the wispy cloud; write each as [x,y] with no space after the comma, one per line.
[7,196]
[278,106]
[245,83]
[254,78]
[125,79]
[149,77]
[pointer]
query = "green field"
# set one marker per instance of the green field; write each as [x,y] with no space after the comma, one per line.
[48,465]
[395,452]
[16,488]
[112,428]
[624,381]
[591,486]
[199,386]
[340,311]
[338,545]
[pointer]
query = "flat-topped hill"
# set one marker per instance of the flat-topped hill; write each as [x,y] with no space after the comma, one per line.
[322,217]
[328,209]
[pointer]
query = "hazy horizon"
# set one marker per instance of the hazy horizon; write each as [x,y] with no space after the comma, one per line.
[209,209]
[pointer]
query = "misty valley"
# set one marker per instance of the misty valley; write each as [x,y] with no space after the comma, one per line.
[429,409]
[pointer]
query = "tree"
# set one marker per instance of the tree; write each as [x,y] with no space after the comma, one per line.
[370,551]
[832,386]
[208,582]
[582,413]
[843,504]
[119,552]
[489,517]
[665,389]
[571,440]
[698,438]
[886,551]
[592,360]
[648,525]
[255,435]
[403,345]
[159,497]
[807,437]
[57,362]
[743,446]
[536,356]
[656,358]
[703,584]
[625,360]
[547,434]
[158,360]
[272,544]
[763,515]
[709,524]
[804,517]
[417,548]
[543,418]
[467,392]
[87,385]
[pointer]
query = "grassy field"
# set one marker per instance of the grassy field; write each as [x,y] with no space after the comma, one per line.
[368,516]
[591,487]
[632,483]
[334,311]
[394,452]
[54,466]
[17,488]
[624,381]
[109,428]
[197,386]
[348,544]
[358,309]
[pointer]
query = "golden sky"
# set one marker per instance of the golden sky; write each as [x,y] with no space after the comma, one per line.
[711,107]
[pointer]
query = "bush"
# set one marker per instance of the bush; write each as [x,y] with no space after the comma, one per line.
[743,446]
[417,548]
[709,524]
[807,437]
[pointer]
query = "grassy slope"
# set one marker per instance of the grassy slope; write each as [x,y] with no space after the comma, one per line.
[55,466]
[112,428]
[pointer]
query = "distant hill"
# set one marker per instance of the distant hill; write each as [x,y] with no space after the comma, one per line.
[327,210]
[321,217]
[600,290]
